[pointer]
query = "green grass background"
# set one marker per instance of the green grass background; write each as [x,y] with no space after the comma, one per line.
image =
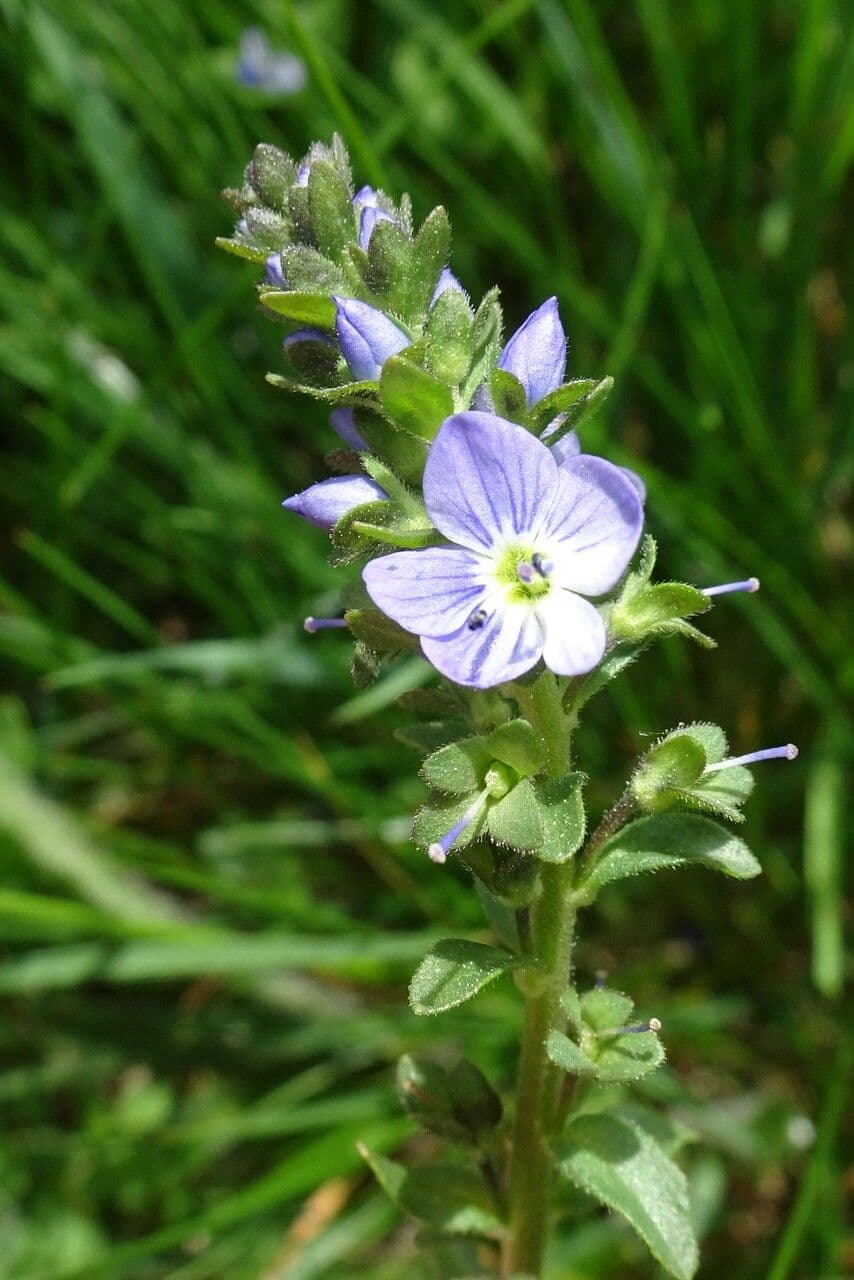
[209,909]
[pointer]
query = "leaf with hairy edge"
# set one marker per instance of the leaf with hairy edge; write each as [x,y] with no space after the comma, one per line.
[303,308]
[617,1162]
[567,1055]
[454,971]
[668,840]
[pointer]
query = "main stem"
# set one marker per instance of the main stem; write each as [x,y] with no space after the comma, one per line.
[552,930]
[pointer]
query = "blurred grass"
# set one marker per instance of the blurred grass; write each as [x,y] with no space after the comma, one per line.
[209,908]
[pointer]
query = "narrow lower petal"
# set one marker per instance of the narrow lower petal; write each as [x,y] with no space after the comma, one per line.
[367,337]
[568,446]
[432,591]
[574,633]
[536,353]
[487,479]
[507,645]
[594,525]
[325,503]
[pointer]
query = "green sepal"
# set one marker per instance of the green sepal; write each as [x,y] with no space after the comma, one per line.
[454,971]
[387,268]
[515,820]
[238,248]
[486,335]
[562,817]
[667,768]
[435,818]
[429,255]
[403,452]
[366,666]
[459,769]
[266,229]
[271,173]
[449,337]
[558,402]
[625,1059]
[672,773]
[411,506]
[436,702]
[379,632]
[576,406]
[372,526]
[390,1174]
[617,1162]
[666,840]
[721,793]
[412,398]
[308,271]
[604,1008]
[314,361]
[515,743]
[302,308]
[612,665]
[569,1056]
[330,208]
[508,395]
[646,609]
[352,394]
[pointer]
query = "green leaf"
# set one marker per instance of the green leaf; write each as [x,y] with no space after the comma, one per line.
[459,1104]
[603,1008]
[547,409]
[668,840]
[580,400]
[626,1058]
[515,820]
[451,1198]
[240,249]
[355,394]
[449,337]
[434,819]
[454,971]
[618,1163]
[302,308]
[567,1055]
[561,810]
[414,400]
[515,743]
[508,395]
[389,1173]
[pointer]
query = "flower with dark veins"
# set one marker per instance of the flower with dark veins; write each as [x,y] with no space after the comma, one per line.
[529,541]
[323,504]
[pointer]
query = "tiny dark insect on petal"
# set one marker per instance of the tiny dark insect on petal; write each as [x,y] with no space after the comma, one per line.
[477,620]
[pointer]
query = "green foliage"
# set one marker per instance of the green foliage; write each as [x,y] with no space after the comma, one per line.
[618,1163]
[453,971]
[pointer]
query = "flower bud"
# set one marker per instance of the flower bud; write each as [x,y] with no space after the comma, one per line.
[367,338]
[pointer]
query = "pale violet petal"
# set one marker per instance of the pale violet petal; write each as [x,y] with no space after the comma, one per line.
[487,480]
[536,353]
[368,219]
[593,527]
[634,479]
[367,337]
[325,503]
[343,423]
[447,280]
[574,633]
[569,446]
[431,591]
[508,644]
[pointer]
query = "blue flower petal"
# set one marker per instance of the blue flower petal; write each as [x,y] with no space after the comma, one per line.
[325,503]
[431,591]
[536,353]
[508,644]
[594,526]
[367,337]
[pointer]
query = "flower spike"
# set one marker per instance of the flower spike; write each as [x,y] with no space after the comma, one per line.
[787,752]
[725,588]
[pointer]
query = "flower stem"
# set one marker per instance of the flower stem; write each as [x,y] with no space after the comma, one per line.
[552,930]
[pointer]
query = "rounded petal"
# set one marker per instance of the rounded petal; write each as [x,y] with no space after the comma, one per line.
[574,633]
[594,525]
[536,353]
[487,479]
[343,423]
[325,503]
[508,644]
[635,480]
[368,219]
[569,446]
[367,337]
[365,197]
[431,591]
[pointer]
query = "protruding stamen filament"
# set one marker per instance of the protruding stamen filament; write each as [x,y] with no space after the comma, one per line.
[725,588]
[439,849]
[787,752]
[543,566]
[476,620]
[635,1029]
[537,567]
[312,625]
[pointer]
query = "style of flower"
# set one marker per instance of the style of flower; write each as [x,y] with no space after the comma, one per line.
[367,337]
[530,540]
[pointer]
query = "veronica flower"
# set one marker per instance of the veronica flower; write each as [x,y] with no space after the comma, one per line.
[324,504]
[259,66]
[530,540]
[569,446]
[367,337]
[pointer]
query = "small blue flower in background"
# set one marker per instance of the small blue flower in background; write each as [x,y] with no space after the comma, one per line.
[530,540]
[324,504]
[273,71]
[367,337]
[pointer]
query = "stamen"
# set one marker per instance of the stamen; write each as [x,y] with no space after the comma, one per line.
[787,752]
[476,620]
[439,849]
[526,571]
[749,584]
[312,625]
[543,567]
